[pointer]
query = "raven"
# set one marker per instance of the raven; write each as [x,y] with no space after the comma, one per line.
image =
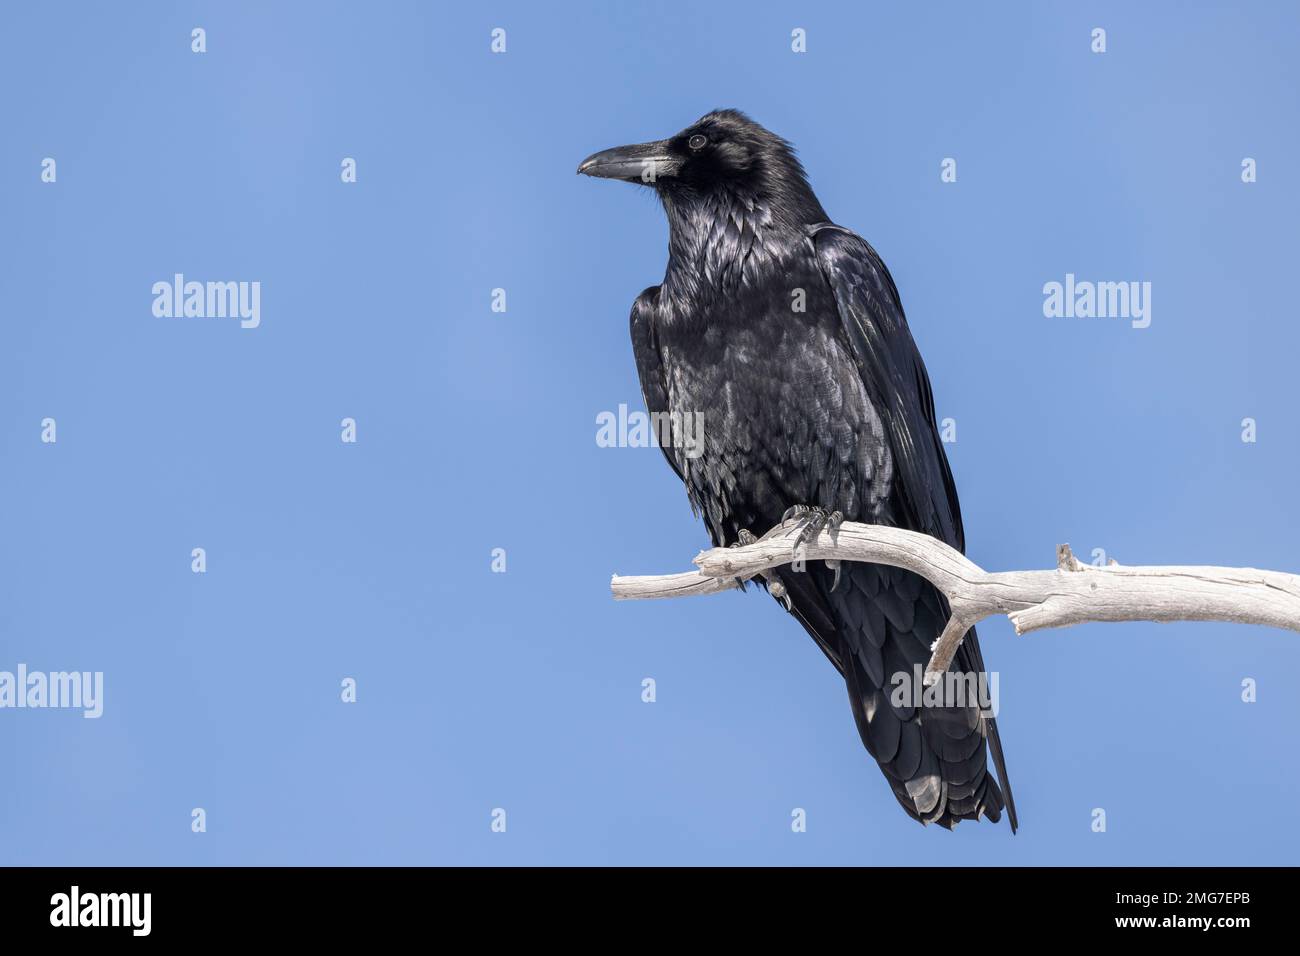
[786,332]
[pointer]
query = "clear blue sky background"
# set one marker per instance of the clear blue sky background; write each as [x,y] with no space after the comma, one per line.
[477,430]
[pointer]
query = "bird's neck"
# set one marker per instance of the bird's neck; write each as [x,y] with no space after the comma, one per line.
[724,239]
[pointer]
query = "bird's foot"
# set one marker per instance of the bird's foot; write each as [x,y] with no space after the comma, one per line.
[810,522]
[774,585]
[743,537]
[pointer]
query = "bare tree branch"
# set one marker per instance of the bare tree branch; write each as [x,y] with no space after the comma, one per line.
[1073,593]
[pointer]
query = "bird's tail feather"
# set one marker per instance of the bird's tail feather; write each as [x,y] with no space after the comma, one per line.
[882,623]
[1000,765]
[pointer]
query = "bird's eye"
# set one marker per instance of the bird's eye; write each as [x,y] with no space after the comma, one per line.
[696,142]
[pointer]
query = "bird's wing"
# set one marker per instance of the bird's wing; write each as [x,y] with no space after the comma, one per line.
[649,363]
[898,386]
[895,379]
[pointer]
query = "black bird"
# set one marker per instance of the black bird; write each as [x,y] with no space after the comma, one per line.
[785,331]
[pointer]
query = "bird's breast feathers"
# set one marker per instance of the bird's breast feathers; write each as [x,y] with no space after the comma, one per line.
[785,418]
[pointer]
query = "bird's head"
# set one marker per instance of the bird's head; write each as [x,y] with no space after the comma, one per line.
[724,152]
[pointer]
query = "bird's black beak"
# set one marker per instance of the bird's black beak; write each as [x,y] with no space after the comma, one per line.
[642,163]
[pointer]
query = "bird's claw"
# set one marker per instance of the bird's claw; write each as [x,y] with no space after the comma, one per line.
[774,586]
[794,513]
[810,522]
[743,537]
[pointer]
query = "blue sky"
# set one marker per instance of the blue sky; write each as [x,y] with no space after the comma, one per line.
[476,430]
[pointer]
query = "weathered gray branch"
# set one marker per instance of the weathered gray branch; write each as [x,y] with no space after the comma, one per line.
[1073,593]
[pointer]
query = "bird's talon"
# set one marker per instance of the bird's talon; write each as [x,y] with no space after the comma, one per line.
[816,520]
[794,513]
[743,537]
